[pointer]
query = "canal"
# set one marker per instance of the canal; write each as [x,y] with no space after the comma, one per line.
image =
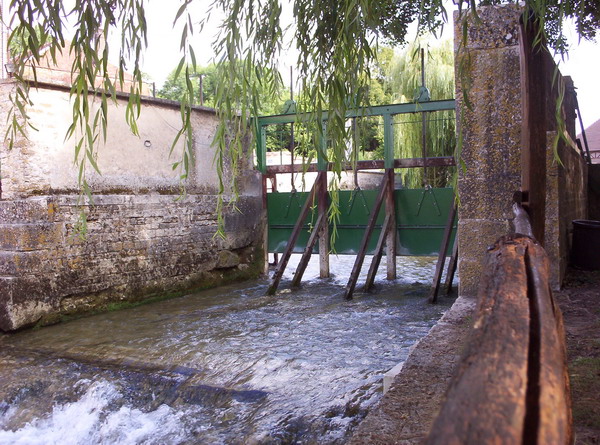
[222,366]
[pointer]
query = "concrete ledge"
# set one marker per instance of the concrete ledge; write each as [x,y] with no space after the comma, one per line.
[405,413]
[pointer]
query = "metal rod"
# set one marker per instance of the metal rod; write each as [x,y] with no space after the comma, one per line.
[441,161]
[360,257]
[285,257]
[377,255]
[439,267]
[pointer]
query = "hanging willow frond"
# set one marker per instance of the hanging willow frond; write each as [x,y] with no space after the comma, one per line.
[335,39]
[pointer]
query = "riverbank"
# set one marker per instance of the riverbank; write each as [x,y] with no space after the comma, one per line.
[407,411]
[579,302]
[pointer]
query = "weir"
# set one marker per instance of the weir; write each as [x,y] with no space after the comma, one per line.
[413,221]
[231,365]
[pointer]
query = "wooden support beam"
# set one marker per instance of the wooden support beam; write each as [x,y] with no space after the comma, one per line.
[486,400]
[512,383]
[549,389]
[285,257]
[534,123]
[390,211]
[360,256]
[439,267]
[322,204]
[377,255]
[452,268]
[442,161]
[308,250]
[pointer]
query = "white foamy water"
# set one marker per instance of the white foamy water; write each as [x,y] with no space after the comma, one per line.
[92,420]
[224,366]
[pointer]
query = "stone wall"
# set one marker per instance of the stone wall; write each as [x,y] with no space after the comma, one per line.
[566,200]
[144,240]
[488,67]
[491,132]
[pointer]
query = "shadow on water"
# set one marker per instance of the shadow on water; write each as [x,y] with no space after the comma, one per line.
[228,365]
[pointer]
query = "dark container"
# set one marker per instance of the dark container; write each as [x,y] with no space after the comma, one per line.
[585,251]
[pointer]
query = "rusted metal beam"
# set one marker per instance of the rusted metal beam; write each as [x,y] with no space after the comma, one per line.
[439,267]
[377,255]
[360,256]
[452,267]
[441,161]
[285,257]
[308,250]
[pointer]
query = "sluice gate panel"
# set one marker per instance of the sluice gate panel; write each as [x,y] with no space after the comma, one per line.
[421,217]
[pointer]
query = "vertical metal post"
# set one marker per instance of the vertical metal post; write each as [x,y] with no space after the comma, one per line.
[201,82]
[390,212]
[266,225]
[388,141]
[322,204]
[388,150]
[261,151]
[322,150]
[423,123]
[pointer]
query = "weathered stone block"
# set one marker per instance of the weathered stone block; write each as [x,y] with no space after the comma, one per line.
[498,26]
[227,259]
[136,246]
[476,235]
[27,210]
[470,277]
[30,236]
[489,197]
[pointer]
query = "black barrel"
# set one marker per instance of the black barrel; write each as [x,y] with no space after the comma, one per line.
[585,252]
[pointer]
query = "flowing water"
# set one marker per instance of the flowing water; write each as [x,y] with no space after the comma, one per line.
[228,365]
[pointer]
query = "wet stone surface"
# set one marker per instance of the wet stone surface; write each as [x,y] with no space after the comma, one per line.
[224,366]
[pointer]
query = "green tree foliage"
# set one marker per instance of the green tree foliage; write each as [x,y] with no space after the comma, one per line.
[404,80]
[175,87]
[335,40]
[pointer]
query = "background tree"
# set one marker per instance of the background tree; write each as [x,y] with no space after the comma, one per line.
[404,80]
[335,40]
[175,86]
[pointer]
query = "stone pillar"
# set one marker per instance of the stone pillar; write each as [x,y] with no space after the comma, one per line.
[491,133]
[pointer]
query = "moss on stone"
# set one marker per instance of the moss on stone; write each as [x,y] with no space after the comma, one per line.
[152,294]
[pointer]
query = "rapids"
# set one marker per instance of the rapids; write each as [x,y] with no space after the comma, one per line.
[223,366]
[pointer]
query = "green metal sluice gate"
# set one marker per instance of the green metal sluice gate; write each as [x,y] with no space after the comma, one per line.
[421,217]
[406,221]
